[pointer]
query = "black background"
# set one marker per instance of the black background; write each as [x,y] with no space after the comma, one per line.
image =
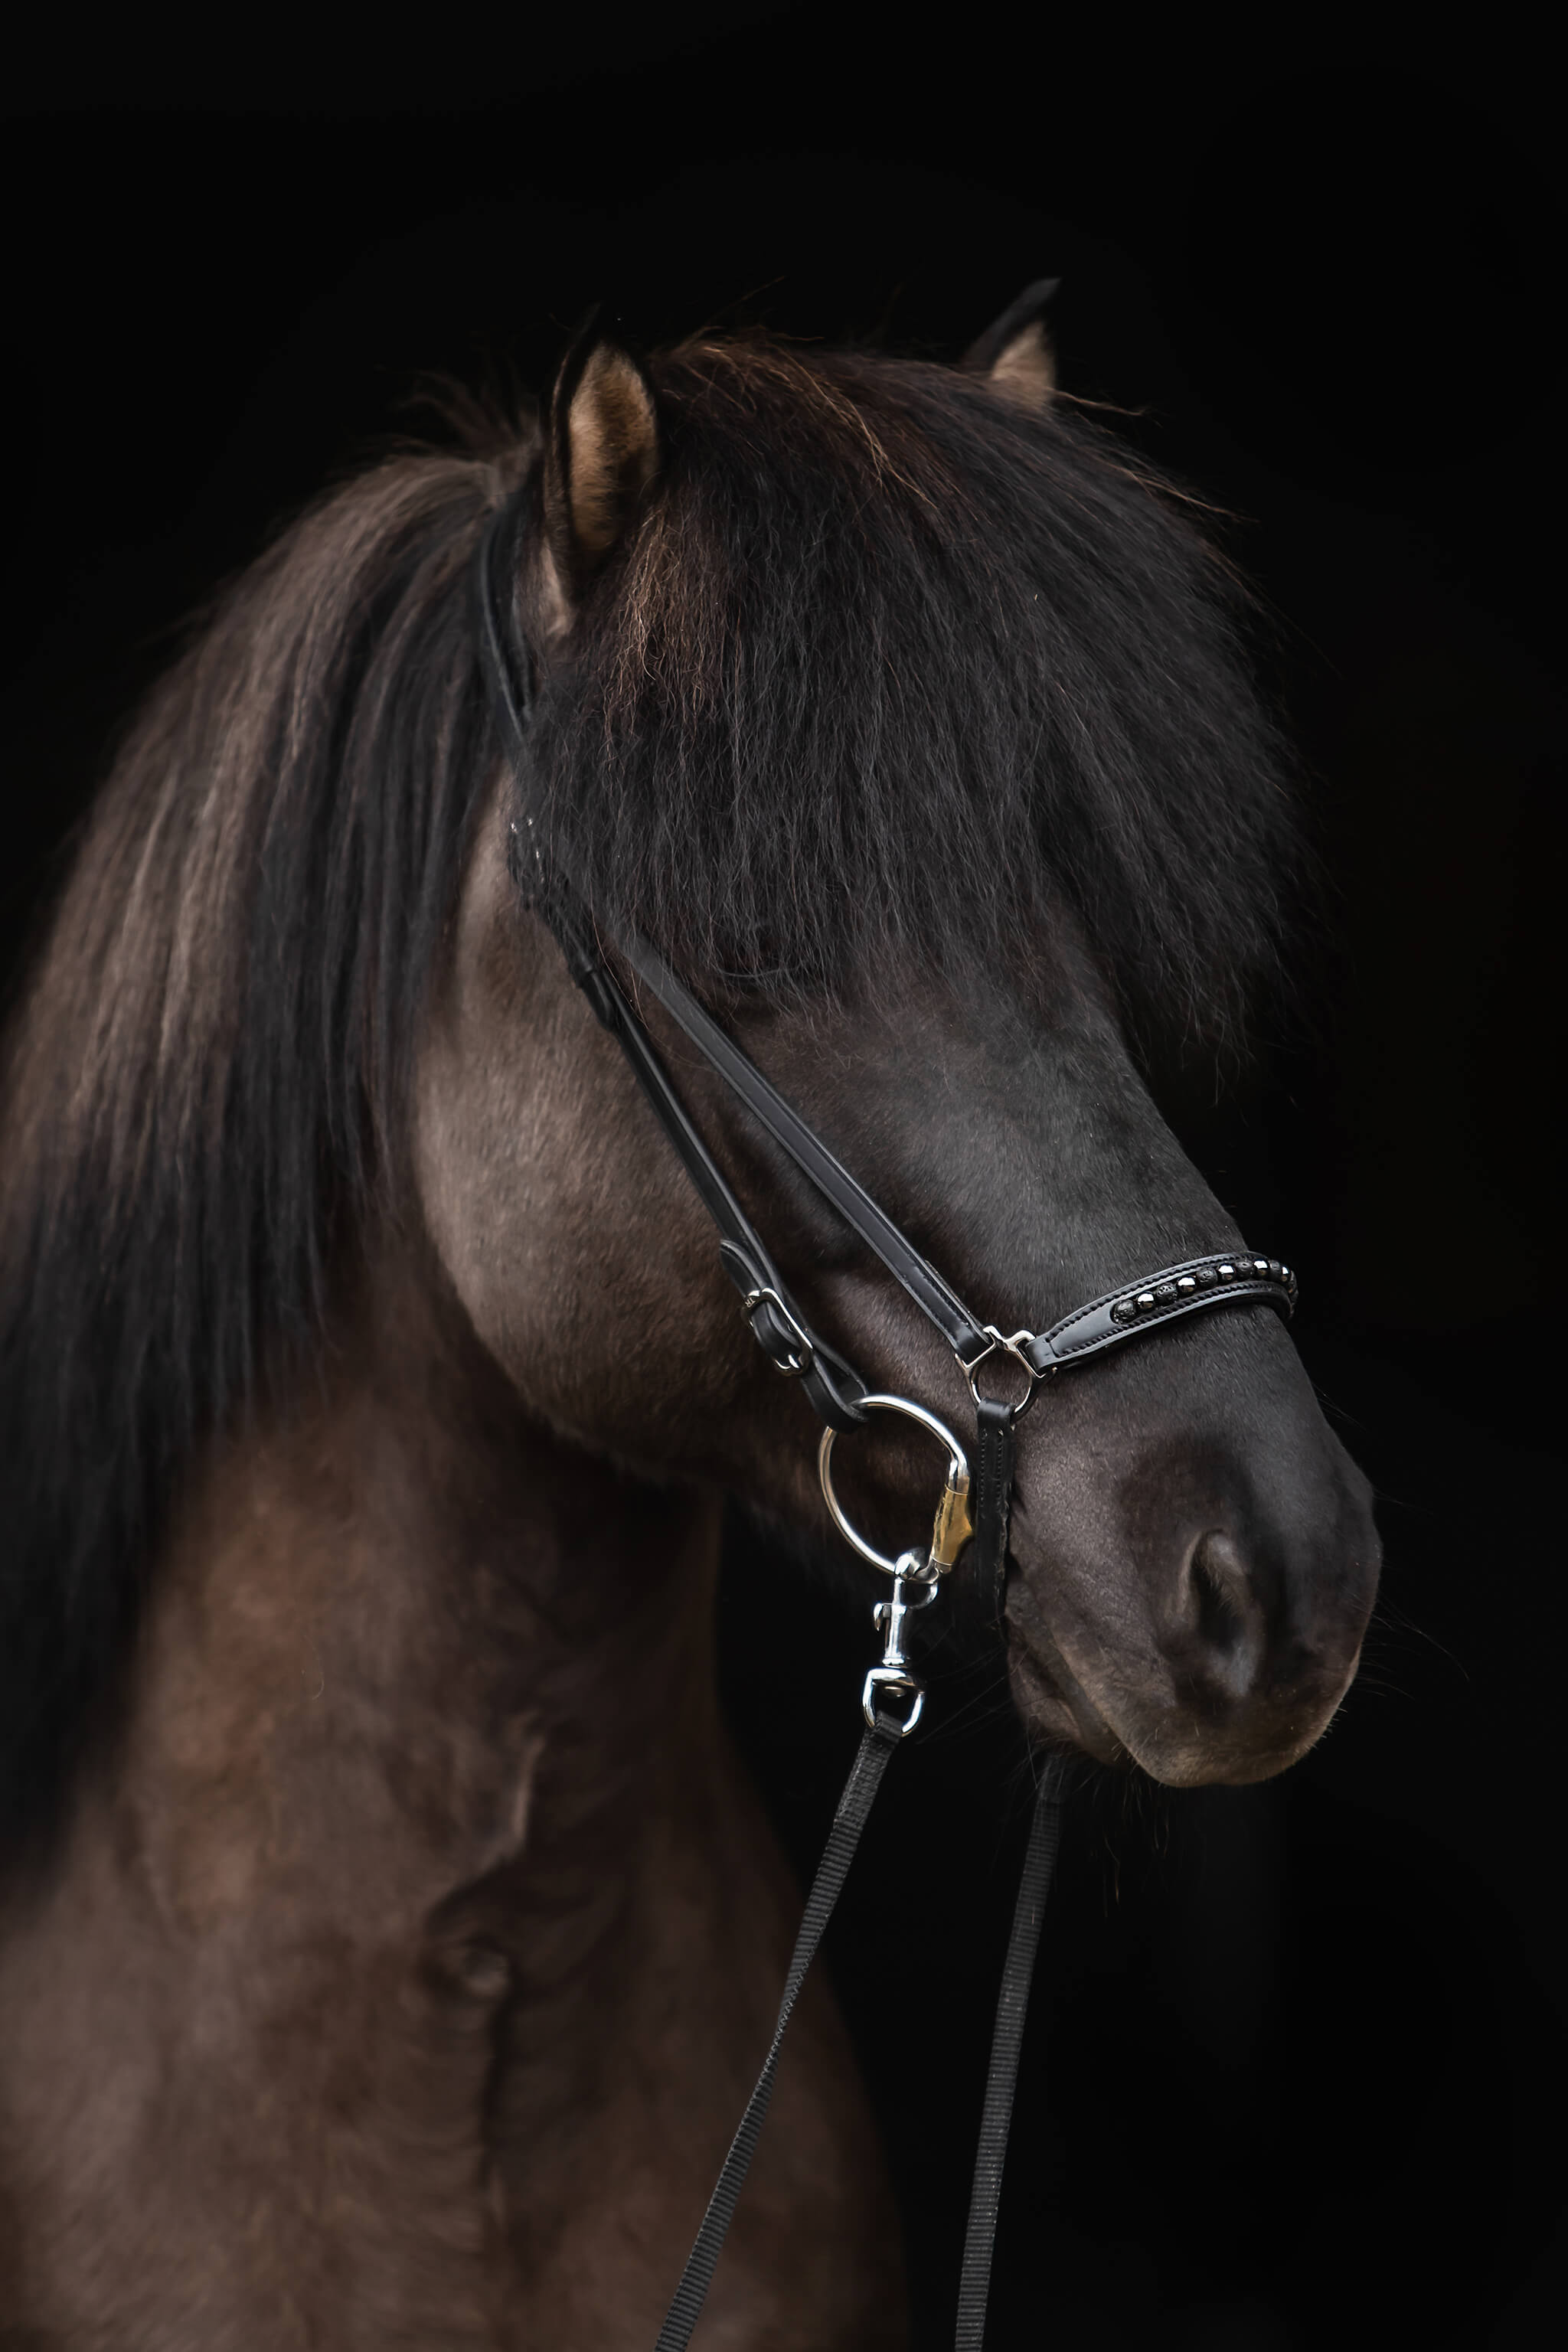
[1295,2063]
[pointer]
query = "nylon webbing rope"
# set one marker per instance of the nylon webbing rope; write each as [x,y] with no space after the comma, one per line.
[1002,2077]
[876,1747]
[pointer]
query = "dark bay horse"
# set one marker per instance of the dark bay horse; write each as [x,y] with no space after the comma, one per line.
[390,1936]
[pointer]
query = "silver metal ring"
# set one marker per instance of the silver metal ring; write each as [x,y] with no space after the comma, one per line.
[1006,1345]
[957,1475]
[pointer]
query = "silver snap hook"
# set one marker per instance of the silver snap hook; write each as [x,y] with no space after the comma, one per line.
[891,1683]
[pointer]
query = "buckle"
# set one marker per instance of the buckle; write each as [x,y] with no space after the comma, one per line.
[800,1358]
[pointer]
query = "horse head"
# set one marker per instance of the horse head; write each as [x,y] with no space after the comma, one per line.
[905,714]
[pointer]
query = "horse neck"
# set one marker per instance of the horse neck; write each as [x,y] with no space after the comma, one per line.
[420,1841]
[401,1636]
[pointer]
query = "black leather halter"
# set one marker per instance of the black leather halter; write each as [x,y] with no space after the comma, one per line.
[777,1322]
[840,1397]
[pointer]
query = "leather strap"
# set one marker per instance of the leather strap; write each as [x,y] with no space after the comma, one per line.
[1224,1278]
[832,1385]
[780,1328]
[876,1747]
[986,1567]
[1002,2077]
[934,1297]
[572,922]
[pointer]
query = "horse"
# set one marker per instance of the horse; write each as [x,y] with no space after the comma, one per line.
[389,1932]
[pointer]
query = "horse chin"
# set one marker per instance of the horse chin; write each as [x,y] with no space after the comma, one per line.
[1172,1745]
[1186,1759]
[1056,1709]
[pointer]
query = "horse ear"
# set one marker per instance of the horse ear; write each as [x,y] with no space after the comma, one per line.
[601,452]
[1013,353]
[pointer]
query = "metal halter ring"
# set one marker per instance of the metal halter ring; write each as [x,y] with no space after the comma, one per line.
[951,1528]
[1004,1344]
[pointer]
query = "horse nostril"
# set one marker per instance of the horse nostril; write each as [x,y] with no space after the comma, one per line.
[1223,1617]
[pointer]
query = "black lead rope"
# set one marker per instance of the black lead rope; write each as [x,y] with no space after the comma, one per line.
[1002,2074]
[840,1397]
[876,1749]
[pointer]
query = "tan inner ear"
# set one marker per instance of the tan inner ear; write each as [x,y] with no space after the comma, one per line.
[614,449]
[1024,369]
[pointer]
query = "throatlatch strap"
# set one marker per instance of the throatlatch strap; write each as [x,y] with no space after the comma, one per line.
[854,1807]
[1007,2042]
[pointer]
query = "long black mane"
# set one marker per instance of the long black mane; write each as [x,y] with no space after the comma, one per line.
[893,662]
[888,666]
